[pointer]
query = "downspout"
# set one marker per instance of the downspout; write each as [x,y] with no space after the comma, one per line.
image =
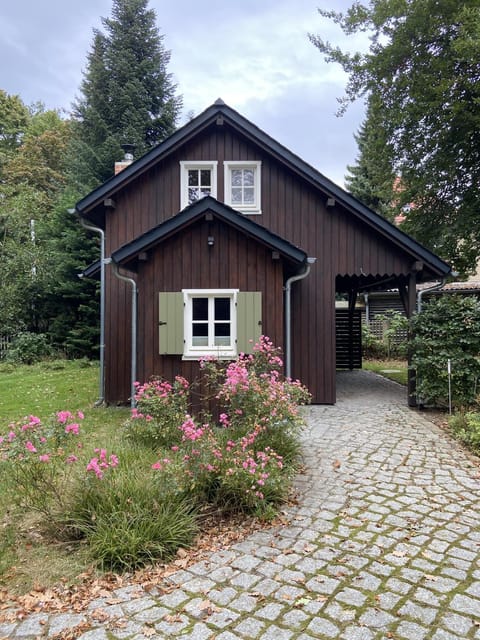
[90,227]
[439,285]
[133,357]
[288,314]
[367,309]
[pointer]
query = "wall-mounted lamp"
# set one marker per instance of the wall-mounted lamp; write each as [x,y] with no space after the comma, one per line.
[210,241]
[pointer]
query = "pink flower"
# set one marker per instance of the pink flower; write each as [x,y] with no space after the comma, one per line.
[72,428]
[157,466]
[93,466]
[11,436]
[63,416]
[71,459]
[30,447]
[190,431]
[98,465]
[224,419]
[80,415]
[44,457]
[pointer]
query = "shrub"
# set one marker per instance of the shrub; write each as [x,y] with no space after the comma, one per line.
[39,458]
[447,328]
[245,461]
[466,427]
[161,408]
[390,341]
[29,348]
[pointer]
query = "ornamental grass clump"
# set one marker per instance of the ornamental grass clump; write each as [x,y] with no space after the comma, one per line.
[126,516]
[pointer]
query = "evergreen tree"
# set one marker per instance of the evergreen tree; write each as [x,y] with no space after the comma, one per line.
[372,178]
[423,63]
[127,94]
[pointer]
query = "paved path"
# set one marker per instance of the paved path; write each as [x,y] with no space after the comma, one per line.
[384,543]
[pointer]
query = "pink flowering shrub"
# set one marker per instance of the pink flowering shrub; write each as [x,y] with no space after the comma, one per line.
[254,395]
[161,407]
[45,459]
[245,460]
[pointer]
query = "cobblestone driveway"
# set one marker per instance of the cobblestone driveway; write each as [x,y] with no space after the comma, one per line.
[384,543]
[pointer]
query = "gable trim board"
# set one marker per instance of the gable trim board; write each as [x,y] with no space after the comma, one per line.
[210,246]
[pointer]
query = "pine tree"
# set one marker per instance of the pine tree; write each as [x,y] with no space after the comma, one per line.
[127,94]
[372,178]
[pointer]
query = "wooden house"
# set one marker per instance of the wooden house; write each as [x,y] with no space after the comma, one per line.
[221,234]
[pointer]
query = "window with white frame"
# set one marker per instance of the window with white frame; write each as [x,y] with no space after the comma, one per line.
[210,326]
[197,180]
[242,186]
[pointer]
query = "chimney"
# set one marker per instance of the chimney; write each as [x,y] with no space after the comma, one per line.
[128,150]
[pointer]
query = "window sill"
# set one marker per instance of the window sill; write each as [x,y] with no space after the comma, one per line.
[247,212]
[217,355]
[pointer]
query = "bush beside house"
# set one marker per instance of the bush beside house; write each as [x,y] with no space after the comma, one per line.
[140,501]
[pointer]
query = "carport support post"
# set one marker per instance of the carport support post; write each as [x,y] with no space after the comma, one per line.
[412,301]
[352,300]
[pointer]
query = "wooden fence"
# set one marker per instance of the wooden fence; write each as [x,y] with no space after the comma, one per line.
[4,344]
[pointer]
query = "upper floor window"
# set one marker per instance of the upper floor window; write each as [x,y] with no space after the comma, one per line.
[242,186]
[198,179]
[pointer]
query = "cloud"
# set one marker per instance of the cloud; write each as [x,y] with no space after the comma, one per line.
[255,55]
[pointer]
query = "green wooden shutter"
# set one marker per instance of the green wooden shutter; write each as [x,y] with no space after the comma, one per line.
[249,320]
[170,323]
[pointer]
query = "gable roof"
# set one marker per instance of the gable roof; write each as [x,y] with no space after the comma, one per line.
[221,113]
[127,254]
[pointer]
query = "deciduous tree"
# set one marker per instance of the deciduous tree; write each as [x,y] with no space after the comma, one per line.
[423,64]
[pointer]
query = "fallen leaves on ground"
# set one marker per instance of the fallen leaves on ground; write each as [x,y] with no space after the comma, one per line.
[218,532]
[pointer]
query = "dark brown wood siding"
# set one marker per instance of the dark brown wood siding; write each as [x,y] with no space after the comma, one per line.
[292,208]
[186,261]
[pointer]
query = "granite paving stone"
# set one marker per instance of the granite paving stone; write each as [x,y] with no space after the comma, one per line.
[385,545]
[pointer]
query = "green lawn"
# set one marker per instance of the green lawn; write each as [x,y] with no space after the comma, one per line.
[27,558]
[395,370]
[42,389]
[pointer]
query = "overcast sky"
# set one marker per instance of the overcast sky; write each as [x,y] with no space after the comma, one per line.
[254,54]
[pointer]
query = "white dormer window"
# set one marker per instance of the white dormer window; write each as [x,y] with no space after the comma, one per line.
[242,186]
[197,180]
